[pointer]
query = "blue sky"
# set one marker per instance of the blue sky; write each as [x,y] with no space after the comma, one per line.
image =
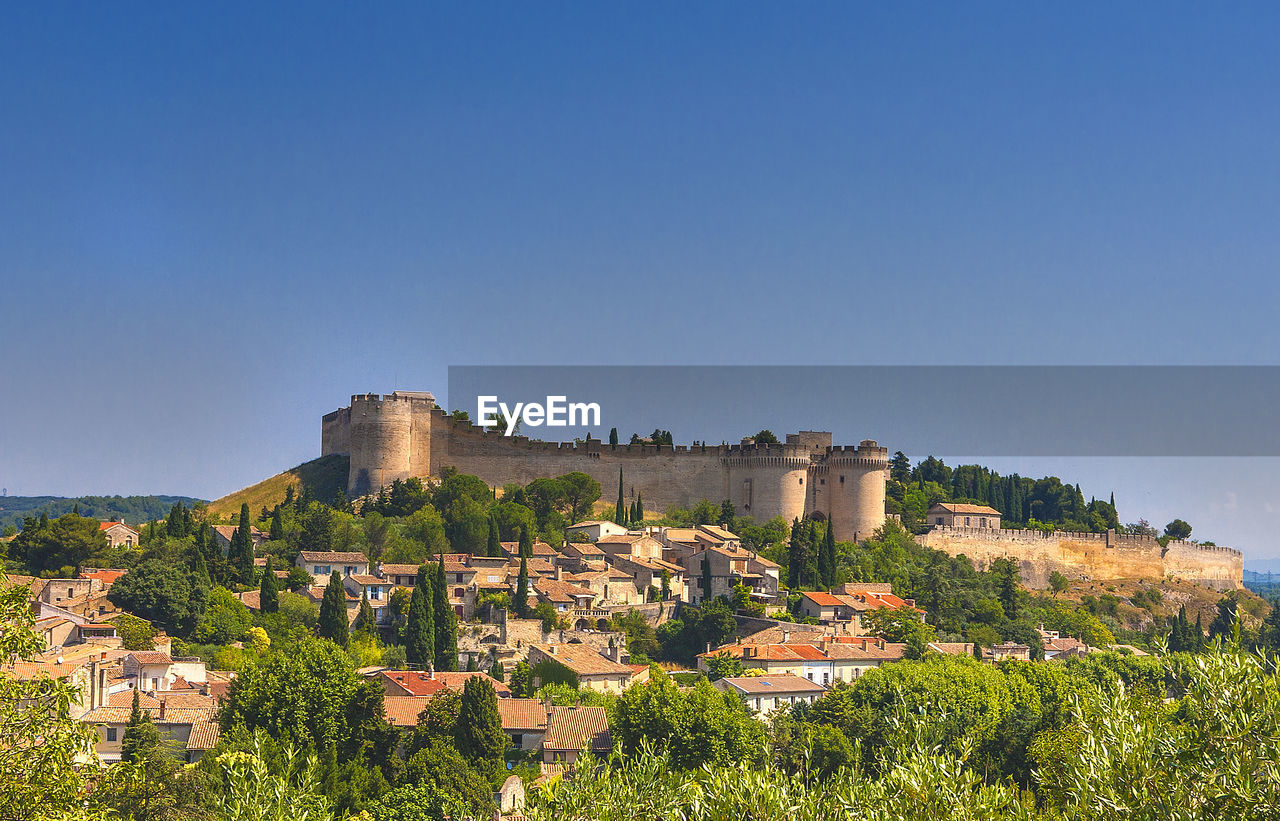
[219,222]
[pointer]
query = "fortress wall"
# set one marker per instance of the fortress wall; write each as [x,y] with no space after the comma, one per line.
[381,436]
[664,477]
[1089,555]
[768,486]
[335,432]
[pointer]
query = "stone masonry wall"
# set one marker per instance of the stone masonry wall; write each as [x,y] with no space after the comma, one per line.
[1091,555]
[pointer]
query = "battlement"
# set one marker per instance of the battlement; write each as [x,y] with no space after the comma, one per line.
[413,397]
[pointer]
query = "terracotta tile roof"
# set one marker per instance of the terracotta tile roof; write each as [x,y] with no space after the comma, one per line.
[771,685]
[421,683]
[204,736]
[403,711]
[962,508]
[367,580]
[150,657]
[107,577]
[109,525]
[583,659]
[125,699]
[251,599]
[561,591]
[522,714]
[822,599]
[176,715]
[952,648]
[398,569]
[570,728]
[332,557]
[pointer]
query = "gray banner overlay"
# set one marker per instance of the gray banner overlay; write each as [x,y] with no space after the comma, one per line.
[971,410]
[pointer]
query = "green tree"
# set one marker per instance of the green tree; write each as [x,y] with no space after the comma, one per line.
[269,590]
[225,618]
[619,509]
[169,597]
[419,628]
[1058,583]
[900,468]
[479,735]
[1177,529]
[707,578]
[521,603]
[50,546]
[141,741]
[366,622]
[446,623]
[694,727]
[494,545]
[240,553]
[522,680]
[333,623]
[613,437]
[639,517]
[765,437]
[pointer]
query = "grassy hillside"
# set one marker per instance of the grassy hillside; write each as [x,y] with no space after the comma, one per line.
[324,477]
[1199,601]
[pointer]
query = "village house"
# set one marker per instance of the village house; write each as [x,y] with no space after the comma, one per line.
[648,574]
[524,720]
[428,683]
[320,564]
[119,534]
[578,557]
[379,591]
[611,586]
[764,694]
[224,534]
[843,658]
[593,670]
[541,550]
[637,545]
[596,529]
[730,567]
[191,730]
[570,729]
[564,596]
[848,604]
[947,514]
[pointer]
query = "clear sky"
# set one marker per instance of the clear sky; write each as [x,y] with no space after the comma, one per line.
[218,222]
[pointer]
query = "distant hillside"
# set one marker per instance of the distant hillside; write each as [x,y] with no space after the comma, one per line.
[134,509]
[324,477]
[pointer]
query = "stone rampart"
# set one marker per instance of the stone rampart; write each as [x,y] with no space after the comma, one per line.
[1091,556]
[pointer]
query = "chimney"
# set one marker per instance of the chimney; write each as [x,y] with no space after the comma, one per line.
[786,636]
[162,709]
[557,571]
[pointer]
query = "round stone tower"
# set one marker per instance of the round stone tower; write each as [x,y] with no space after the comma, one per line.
[389,439]
[768,480]
[855,483]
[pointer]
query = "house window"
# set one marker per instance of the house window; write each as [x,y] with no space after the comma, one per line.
[111,734]
[459,592]
[982,522]
[375,593]
[457,578]
[966,521]
[938,521]
[809,675]
[826,677]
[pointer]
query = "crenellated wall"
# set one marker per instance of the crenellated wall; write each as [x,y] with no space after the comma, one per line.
[1108,555]
[401,435]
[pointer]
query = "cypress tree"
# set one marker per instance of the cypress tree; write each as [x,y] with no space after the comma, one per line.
[521,604]
[613,438]
[496,670]
[333,612]
[1197,642]
[828,565]
[277,525]
[526,543]
[366,622]
[419,632]
[446,624]
[269,590]
[471,663]
[795,556]
[494,545]
[706,577]
[141,740]
[639,507]
[620,510]
[478,735]
[240,554]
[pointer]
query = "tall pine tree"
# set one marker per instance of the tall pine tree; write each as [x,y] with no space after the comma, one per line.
[639,518]
[620,509]
[240,554]
[333,612]
[366,622]
[419,628]
[521,604]
[478,734]
[269,590]
[526,543]
[446,624]
[494,546]
[706,576]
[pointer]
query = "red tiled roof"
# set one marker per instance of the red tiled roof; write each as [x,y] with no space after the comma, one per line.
[822,599]
[421,683]
[403,711]
[151,657]
[569,728]
[330,556]
[204,736]
[767,685]
[522,714]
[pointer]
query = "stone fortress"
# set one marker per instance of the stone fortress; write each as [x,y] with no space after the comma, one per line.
[404,434]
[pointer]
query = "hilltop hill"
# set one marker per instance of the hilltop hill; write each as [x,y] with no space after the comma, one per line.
[324,477]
